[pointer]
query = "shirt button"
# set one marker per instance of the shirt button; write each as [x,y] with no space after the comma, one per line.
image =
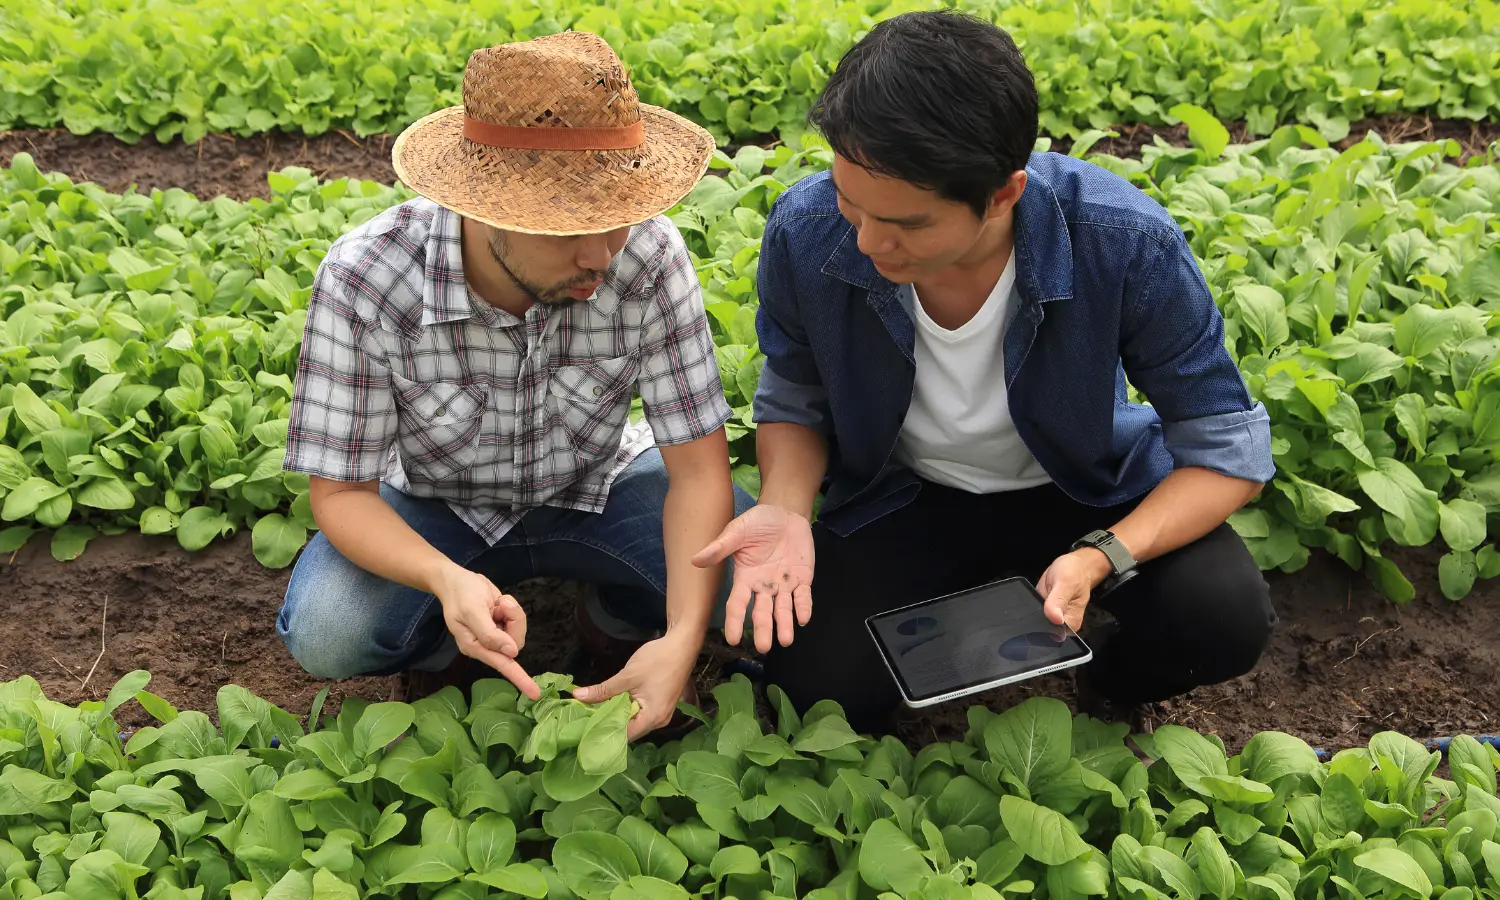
[598,391]
[442,410]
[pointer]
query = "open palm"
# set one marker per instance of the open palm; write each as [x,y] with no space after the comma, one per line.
[773,563]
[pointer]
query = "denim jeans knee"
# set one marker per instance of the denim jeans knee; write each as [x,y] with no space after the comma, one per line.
[339,621]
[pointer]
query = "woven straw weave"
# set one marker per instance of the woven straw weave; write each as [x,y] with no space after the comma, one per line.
[565,80]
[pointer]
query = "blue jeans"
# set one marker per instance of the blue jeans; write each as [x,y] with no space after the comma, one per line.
[339,620]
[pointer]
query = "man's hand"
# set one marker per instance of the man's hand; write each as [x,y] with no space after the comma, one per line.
[655,677]
[1068,583]
[773,561]
[488,625]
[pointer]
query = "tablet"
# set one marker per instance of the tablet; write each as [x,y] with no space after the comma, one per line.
[971,641]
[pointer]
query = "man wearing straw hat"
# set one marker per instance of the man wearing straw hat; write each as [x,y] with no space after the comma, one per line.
[467,371]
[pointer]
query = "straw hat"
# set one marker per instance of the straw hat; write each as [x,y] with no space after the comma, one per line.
[552,139]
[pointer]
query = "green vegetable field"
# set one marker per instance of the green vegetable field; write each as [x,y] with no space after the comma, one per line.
[1335,166]
[496,796]
[171,67]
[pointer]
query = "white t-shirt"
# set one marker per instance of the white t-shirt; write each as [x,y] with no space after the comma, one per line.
[958,430]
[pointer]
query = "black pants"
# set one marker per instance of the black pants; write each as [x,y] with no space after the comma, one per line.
[1199,615]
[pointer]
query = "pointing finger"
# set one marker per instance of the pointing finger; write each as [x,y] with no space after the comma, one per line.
[517,676]
[509,668]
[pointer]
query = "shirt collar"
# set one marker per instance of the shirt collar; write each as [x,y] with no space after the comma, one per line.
[445,293]
[1043,248]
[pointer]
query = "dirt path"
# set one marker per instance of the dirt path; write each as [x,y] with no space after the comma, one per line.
[1344,665]
[237,167]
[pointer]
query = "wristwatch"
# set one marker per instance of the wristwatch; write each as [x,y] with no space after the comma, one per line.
[1120,560]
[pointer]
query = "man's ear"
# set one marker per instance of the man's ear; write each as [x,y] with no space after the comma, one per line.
[1005,199]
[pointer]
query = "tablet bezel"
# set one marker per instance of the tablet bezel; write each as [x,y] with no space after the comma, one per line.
[976,687]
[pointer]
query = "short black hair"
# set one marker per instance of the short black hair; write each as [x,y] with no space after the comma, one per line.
[941,99]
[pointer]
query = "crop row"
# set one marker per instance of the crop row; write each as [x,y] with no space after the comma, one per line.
[741,67]
[494,797]
[148,342]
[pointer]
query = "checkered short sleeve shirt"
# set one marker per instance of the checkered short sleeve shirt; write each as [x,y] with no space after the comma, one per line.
[406,376]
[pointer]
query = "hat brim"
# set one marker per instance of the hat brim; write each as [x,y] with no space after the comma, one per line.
[553,192]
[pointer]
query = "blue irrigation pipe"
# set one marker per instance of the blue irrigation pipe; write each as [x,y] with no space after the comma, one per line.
[1439,744]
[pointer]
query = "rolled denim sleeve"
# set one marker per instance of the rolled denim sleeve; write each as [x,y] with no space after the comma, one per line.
[1237,444]
[791,388]
[1172,345]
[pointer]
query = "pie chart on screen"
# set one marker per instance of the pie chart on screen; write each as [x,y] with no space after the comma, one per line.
[917,625]
[1030,646]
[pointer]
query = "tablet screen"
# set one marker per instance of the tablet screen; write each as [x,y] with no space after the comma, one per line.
[973,638]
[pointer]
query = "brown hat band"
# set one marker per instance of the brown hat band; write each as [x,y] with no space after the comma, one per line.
[523,137]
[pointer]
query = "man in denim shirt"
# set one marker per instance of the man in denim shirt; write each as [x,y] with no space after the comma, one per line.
[949,321]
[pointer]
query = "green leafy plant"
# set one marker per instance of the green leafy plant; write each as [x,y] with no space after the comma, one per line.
[147,346]
[1359,291]
[174,68]
[492,795]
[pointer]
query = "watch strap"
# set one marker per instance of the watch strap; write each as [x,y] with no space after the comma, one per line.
[1105,542]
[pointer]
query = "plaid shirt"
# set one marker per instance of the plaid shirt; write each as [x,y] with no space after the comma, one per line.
[405,375]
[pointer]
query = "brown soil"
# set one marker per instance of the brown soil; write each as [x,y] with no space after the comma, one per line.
[219,164]
[1345,663]
[237,167]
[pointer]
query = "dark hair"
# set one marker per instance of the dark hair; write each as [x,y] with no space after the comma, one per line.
[940,99]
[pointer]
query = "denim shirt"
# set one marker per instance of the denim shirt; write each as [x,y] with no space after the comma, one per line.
[1106,288]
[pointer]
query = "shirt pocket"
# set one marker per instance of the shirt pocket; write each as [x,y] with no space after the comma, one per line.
[592,402]
[441,423]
